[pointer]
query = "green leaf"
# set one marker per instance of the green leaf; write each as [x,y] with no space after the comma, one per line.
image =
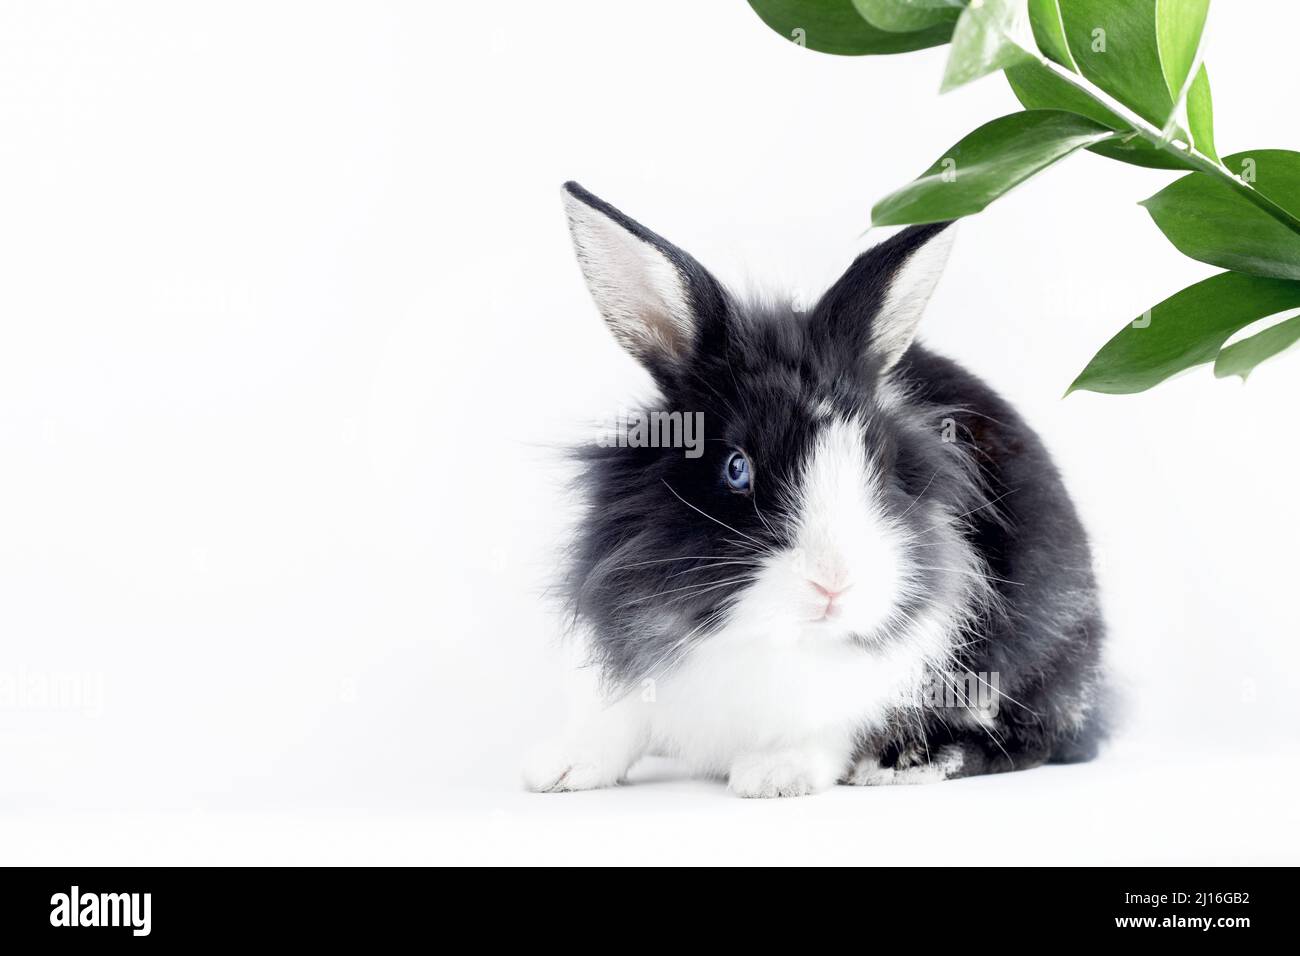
[1037,88]
[991,35]
[834,26]
[1273,172]
[1179,24]
[1200,114]
[1116,47]
[987,163]
[1138,152]
[1207,219]
[1049,32]
[907,16]
[1187,329]
[1240,358]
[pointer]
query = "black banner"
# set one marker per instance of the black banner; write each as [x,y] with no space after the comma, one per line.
[1224,907]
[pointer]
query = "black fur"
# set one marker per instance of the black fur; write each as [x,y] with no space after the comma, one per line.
[1046,643]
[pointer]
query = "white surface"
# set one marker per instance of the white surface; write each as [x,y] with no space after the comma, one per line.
[1119,811]
[290,321]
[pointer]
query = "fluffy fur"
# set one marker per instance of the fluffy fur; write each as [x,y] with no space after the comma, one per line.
[904,526]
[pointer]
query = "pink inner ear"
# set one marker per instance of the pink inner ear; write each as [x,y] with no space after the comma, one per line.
[638,291]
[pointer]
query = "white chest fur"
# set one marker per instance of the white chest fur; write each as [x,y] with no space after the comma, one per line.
[743,694]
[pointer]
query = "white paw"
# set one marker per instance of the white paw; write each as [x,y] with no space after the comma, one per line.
[868,772]
[556,769]
[787,773]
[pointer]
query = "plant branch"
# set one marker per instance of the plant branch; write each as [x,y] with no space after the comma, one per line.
[1189,154]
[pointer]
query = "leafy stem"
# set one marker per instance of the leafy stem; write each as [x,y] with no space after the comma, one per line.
[1125,79]
[1189,154]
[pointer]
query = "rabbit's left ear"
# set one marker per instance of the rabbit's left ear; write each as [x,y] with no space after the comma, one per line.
[659,303]
[876,306]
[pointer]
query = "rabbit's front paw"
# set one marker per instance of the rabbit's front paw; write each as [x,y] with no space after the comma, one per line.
[785,773]
[911,768]
[557,769]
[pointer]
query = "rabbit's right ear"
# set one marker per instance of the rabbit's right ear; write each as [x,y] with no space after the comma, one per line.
[659,302]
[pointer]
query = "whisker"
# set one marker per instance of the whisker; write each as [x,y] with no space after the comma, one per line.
[974,574]
[987,504]
[719,564]
[967,514]
[770,529]
[709,516]
[1001,693]
[683,557]
[996,738]
[700,588]
[680,648]
[745,546]
[917,500]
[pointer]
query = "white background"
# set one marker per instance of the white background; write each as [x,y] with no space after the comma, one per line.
[291,328]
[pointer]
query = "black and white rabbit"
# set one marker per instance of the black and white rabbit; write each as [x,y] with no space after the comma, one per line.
[867,522]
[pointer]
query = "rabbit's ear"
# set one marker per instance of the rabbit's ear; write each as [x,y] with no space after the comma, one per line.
[657,300]
[877,304]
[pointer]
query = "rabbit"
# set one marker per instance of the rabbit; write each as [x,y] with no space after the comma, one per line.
[872,574]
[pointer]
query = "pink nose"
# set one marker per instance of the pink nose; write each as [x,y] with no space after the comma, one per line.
[826,592]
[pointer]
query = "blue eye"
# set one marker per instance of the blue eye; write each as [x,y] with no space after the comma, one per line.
[737,472]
